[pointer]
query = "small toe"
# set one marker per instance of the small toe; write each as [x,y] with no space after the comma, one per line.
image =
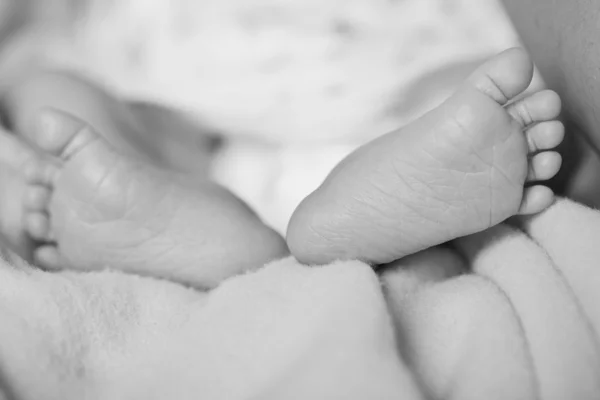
[536,199]
[544,166]
[62,134]
[541,106]
[37,225]
[37,198]
[545,135]
[48,257]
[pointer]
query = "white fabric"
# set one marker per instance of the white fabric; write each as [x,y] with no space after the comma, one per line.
[518,321]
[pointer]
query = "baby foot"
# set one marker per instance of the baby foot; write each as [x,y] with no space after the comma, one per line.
[92,208]
[464,167]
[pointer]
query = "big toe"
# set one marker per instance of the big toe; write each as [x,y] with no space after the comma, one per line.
[82,165]
[62,135]
[505,76]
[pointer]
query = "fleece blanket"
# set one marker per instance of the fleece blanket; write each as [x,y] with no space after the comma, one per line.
[510,313]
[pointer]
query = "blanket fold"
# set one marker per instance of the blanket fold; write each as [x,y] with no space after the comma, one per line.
[504,314]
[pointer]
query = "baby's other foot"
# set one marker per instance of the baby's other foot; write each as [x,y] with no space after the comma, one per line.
[92,208]
[466,166]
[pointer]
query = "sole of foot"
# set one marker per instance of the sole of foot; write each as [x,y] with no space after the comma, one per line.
[465,166]
[90,207]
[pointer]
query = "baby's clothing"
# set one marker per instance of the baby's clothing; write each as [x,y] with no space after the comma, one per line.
[294,86]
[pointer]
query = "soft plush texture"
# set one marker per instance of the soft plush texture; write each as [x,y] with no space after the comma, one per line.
[505,314]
